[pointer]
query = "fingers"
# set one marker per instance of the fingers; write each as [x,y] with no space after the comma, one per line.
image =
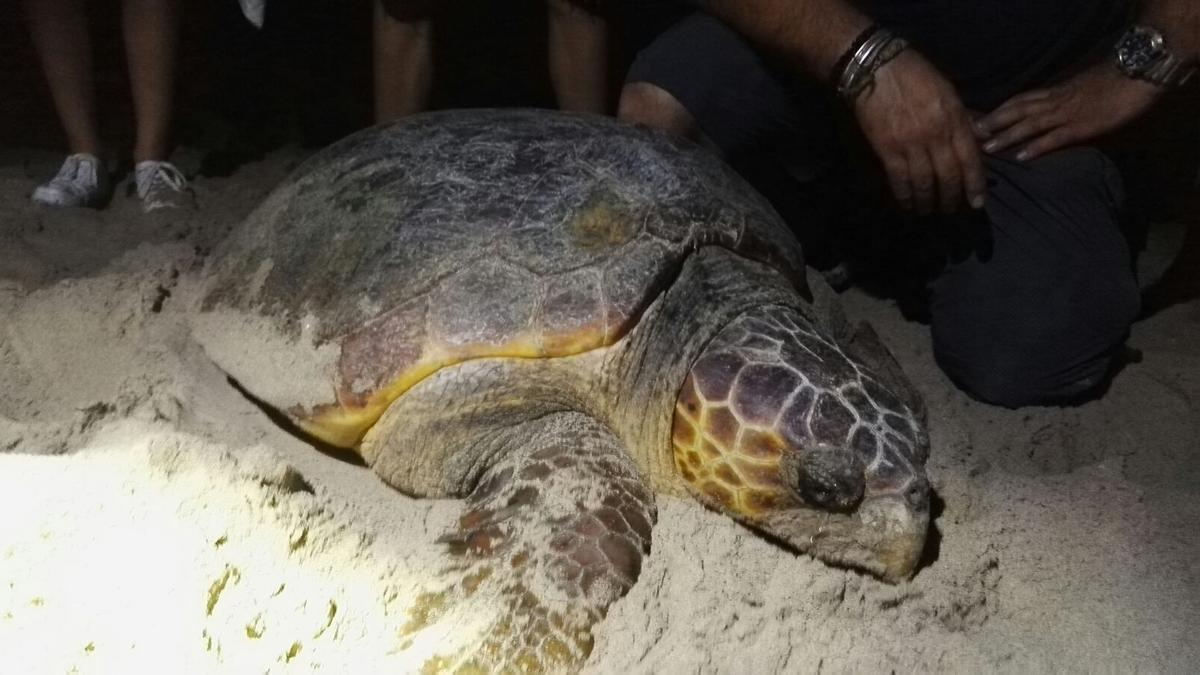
[949,177]
[923,135]
[958,169]
[923,180]
[898,179]
[1022,119]
[1014,110]
[974,182]
[1039,125]
[958,165]
[981,133]
[1057,139]
[1022,132]
[939,174]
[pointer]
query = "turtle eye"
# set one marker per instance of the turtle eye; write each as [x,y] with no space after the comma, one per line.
[826,476]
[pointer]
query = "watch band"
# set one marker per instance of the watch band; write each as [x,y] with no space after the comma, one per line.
[1142,54]
[1170,71]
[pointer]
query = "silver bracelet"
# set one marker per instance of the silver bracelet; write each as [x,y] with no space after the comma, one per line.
[856,66]
[859,74]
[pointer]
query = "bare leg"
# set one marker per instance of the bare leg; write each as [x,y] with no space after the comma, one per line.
[403,64]
[578,57]
[652,106]
[60,33]
[151,36]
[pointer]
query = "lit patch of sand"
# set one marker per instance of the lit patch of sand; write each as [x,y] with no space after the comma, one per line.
[152,551]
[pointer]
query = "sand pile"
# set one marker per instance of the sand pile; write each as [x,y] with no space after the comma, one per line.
[157,521]
[148,550]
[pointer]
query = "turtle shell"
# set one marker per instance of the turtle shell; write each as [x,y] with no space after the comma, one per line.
[457,235]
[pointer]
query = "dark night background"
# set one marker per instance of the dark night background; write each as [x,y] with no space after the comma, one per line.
[306,78]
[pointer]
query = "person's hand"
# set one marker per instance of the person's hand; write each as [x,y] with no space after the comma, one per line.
[1093,103]
[923,135]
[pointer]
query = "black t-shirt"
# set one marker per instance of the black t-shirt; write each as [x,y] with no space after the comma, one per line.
[993,49]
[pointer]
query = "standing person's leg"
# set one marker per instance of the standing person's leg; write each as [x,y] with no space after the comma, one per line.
[1038,308]
[403,59]
[151,40]
[578,46]
[60,34]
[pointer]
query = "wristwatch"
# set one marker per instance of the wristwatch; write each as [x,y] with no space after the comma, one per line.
[1142,54]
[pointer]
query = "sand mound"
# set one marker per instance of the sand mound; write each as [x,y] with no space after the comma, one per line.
[153,551]
[157,521]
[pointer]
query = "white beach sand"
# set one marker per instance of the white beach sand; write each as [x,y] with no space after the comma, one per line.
[153,520]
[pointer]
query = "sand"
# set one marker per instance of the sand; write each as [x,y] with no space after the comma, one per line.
[154,520]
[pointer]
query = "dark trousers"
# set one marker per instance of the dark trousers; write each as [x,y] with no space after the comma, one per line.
[1034,296]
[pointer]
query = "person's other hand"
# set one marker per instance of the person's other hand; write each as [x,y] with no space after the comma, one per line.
[1095,102]
[923,135]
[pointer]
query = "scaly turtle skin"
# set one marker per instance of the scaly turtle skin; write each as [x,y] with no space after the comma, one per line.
[553,316]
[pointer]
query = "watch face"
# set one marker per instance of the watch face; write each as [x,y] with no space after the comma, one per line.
[1140,49]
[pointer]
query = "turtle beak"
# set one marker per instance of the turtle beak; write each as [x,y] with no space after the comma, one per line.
[901,541]
[884,537]
[893,533]
[873,517]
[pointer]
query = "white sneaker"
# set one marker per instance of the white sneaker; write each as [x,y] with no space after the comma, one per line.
[81,181]
[160,185]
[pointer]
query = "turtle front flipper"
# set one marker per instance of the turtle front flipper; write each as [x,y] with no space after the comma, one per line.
[552,534]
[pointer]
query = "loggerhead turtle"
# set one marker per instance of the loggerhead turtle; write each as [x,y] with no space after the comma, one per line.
[553,317]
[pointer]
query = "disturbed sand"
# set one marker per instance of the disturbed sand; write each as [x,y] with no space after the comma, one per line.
[154,520]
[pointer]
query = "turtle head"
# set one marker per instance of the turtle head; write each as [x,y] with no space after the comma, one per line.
[778,428]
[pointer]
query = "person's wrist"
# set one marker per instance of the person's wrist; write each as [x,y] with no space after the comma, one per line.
[839,66]
[855,71]
[1142,53]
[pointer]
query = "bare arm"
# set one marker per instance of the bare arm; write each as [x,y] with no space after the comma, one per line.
[1098,100]
[1179,21]
[912,116]
[811,36]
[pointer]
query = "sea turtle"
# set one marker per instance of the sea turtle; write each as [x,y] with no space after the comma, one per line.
[554,316]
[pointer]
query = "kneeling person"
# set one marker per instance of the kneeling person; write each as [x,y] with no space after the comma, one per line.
[986,111]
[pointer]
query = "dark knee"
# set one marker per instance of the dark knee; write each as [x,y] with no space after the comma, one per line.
[1080,172]
[1040,357]
[652,106]
[1040,321]
[1013,384]
[1020,374]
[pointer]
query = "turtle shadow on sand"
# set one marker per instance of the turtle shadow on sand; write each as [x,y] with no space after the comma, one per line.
[282,421]
[553,317]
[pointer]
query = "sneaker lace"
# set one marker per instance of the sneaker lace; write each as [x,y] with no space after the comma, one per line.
[84,171]
[154,176]
[66,172]
[76,176]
